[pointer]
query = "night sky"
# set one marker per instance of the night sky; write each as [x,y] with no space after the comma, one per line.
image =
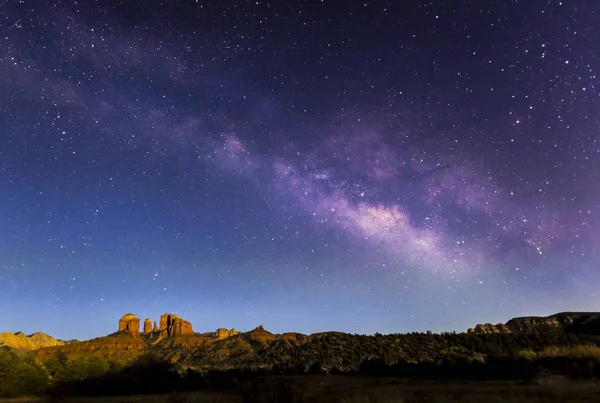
[309,165]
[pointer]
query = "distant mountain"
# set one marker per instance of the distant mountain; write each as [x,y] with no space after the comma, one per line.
[31,342]
[564,322]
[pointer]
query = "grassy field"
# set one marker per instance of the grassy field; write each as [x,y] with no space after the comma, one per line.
[342,389]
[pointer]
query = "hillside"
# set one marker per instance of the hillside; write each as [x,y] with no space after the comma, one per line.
[569,322]
[31,342]
[174,356]
[175,341]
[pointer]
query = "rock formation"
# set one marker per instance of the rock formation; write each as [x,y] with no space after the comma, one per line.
[488,328]
[532,324]
[31,342]
[124,346]
[222,333]
[578,322]
[129,323]
[170,325]
[173,325]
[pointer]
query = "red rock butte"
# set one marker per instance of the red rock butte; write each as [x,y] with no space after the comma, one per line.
[129,323]
[170,325]
[174,325]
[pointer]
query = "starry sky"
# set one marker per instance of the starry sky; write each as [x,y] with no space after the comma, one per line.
[362,166]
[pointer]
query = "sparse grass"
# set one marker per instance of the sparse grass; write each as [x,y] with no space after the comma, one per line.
[583,351]
[589,351]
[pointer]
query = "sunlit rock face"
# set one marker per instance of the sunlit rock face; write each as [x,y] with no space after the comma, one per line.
[148,325]
[222,333]
[578,322]
[129,323]
[31,342]
[173,325]
[170,325]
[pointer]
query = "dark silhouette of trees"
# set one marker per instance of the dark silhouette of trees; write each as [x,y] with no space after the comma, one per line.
[20,375]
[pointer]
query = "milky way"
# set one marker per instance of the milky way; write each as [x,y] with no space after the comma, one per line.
[354,166]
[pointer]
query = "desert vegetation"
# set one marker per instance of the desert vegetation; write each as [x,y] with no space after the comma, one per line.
[247,367]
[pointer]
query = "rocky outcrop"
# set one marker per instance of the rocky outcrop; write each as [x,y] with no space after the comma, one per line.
[129,323]
[222,333]
[31,342]
[532,324]
[576,322]
[124,346]
[488,328]
[173,325]
[170,325]
[147,325]
[175,342]
[121,345]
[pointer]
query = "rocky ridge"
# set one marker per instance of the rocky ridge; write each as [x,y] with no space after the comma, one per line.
[580,322]
[222,333]
[30,342]
[175,338]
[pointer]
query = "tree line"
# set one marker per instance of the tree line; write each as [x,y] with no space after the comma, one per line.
[422,355]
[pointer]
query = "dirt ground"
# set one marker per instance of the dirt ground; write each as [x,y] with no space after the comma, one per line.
[344,389]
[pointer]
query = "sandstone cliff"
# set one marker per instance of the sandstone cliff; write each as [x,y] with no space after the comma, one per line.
[174,339]
[129,323]
[128,342]
[222,333]
[123,345]
[532,324]
[173,325]
[488,328]
[31,342]
[578,322]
